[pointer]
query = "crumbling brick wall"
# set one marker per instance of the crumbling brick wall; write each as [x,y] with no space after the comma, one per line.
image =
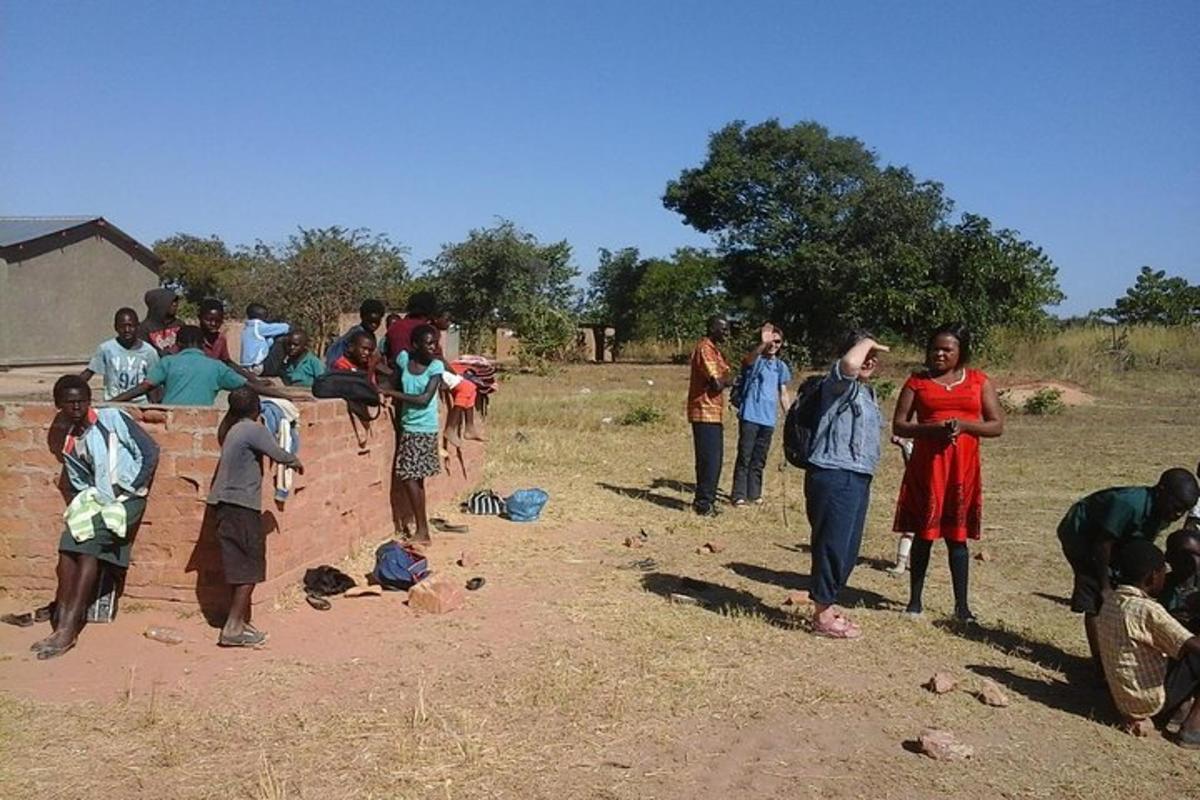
[343,499]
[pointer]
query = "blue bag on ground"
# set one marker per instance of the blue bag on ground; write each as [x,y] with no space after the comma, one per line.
[525,505]
[397,567]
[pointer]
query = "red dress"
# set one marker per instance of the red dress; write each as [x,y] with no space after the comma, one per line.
[942,493]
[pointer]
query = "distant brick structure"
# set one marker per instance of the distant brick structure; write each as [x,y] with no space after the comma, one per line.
[341,501]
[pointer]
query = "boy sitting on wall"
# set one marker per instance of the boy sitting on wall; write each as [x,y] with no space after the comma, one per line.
[124,360]
[301,367]
[236,495]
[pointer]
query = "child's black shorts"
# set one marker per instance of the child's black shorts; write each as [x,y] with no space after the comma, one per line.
[243,544]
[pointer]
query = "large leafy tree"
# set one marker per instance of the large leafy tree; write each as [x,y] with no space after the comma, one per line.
[675,296]
[816,234]
[1155,299]
[503,275]
[612,288]
[198,267]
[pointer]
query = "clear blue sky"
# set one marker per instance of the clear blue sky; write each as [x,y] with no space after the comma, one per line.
[1078,124]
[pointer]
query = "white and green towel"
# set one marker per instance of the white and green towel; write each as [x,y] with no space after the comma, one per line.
[81,513]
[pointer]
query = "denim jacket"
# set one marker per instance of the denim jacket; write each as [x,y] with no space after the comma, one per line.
[121,457]
[849,430]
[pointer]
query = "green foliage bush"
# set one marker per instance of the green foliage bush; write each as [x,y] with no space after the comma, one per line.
[1045,402]
[642,414]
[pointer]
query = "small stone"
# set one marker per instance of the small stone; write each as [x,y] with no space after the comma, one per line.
[798,598]
[467,559]
[606,420]
[983,555]
[942,745]
[585,390]
[435,596]
[991,694]
[633,541]
[649,382]
[941,683]
[710,547]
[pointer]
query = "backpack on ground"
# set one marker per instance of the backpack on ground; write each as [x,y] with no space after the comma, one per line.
[484,503]
[398,567]
[326,581]
[525,505]
[800,426]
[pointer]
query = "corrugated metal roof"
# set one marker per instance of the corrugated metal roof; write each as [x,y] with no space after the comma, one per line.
[14,230]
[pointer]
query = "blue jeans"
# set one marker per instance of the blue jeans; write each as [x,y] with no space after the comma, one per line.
[754,442]
[708,438]
[836,501]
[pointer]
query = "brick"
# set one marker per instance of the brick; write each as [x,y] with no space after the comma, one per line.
[38,414]
[177,442]
[193,466]
[16,438]
[437,595]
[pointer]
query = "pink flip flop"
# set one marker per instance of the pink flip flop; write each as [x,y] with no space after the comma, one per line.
[839,628]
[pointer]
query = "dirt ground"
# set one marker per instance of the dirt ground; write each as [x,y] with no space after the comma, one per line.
[571,675]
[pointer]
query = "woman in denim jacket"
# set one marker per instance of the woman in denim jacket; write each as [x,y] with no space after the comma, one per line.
[837,485]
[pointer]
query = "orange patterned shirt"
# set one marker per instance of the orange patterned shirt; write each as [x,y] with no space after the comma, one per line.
[704,405]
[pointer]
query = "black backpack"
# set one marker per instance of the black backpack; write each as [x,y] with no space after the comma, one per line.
[800,426]
[353,386]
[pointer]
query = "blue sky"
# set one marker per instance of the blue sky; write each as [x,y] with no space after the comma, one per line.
[1077,124]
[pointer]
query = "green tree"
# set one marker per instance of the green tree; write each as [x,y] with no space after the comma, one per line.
[197,267]
[817,235]
[677,295]
[612,289]
[317,274]
[504,275]
[1155,299]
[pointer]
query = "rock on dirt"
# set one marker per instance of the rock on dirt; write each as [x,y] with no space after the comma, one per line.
[467,559]
[633,541]
[941,683]
[684,599]
[799,598]
[983,555]
[709,548]
[942,745]
[435,595]
[991,694]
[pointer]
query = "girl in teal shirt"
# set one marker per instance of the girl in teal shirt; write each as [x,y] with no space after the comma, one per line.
[420,376]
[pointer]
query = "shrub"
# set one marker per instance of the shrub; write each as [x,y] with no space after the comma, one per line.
[642,414]
[1044,402]
[885,389]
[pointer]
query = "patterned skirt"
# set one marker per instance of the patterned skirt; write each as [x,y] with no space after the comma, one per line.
[417,456]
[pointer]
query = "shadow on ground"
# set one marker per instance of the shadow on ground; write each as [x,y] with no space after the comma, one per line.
[662,500]
[1053,598]
[794,581]
[1083,699]
[1013,643]
[717,598]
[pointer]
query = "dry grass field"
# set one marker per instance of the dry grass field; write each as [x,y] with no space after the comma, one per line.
[571,675]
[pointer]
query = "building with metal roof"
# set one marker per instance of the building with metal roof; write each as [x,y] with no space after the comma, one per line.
[61,281]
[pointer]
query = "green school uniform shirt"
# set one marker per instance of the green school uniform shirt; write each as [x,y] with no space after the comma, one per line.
[1121,513]
[191,378]
[419,419]
[304,371]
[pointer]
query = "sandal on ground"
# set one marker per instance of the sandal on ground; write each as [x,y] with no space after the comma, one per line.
[1189,740]
[44,614]
[839,628]
[475,583]
[445,526]
[317,602]
[49,651]
[20,620]
[247,638]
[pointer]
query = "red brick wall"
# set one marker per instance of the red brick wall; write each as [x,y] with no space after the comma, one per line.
[342,500]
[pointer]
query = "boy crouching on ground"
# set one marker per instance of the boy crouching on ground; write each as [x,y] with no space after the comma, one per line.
[1151,662]
[236,495]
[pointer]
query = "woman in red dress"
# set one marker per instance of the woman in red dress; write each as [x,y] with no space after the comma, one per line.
[945,409]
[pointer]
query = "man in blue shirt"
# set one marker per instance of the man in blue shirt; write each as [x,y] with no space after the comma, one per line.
[762,392]
[124,360]
[257,337]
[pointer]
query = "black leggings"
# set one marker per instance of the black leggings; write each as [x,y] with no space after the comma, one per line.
[960,568]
